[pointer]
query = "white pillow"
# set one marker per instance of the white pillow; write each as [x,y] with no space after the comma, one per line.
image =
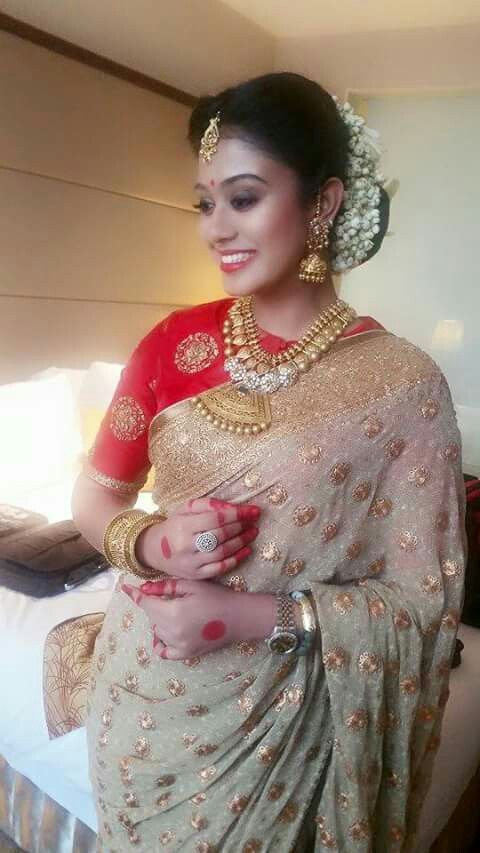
[99,384]
[39,437]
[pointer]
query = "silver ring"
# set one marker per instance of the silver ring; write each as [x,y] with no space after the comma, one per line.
[206,541]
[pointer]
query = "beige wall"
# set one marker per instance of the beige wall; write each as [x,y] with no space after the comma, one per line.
[98,239]
[195,45]
[420,59]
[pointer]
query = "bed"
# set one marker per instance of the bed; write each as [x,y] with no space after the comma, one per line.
[45,799]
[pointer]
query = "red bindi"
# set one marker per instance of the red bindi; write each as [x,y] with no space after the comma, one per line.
[214,630]
[212,183]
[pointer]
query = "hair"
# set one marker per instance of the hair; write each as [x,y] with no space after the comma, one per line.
[292,119]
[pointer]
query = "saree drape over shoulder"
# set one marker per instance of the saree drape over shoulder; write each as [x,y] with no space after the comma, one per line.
[360,482]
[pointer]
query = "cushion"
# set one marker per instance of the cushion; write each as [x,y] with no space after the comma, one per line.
[39,439]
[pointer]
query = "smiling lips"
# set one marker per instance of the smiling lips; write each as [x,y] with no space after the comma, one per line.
[235,260]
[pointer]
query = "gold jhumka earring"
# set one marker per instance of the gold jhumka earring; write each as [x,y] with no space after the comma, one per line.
[208,145]
[314,268]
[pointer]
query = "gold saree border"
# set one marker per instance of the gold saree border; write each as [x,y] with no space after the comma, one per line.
[382,366]
[35,821]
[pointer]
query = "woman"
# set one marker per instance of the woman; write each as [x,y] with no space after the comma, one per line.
[296,448]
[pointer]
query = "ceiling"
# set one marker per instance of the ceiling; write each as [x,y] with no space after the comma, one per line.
[304,18]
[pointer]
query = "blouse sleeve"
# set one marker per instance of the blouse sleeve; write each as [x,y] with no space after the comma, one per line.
[119,458]
[388,635]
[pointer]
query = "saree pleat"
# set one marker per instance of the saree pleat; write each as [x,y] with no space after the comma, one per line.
[360,484]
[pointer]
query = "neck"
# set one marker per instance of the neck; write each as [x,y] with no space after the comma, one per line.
[289,311]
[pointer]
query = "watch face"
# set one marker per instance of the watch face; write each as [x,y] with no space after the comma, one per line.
[283,643]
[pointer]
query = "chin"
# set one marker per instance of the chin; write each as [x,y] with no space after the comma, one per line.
[234,285]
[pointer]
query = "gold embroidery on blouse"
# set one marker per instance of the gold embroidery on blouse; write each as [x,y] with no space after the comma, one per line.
[163,799]
[207,773]
[131,799]
[402,620]
[131,682]
[196,352]
[114,693]
[450,452]
[165,781]
[127,419]
[205,749]
[142,747]
[143,658]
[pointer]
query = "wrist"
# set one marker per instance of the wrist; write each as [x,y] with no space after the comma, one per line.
[144,550]
[259,615]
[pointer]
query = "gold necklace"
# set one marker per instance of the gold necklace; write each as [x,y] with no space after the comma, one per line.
[249,364]
[244,407]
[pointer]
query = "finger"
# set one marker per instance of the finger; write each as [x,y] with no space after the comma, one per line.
[133,592]
[172,586]
[168,653]
[221,517]
[228,531]
[221,567]
[211,512]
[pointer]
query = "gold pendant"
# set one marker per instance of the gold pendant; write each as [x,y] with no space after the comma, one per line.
[233,411]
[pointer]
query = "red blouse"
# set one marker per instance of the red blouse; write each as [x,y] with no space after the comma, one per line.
[179,358]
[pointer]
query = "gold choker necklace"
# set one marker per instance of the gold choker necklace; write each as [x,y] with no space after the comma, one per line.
[254,369]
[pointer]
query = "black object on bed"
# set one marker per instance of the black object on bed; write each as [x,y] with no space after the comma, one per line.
[44,559]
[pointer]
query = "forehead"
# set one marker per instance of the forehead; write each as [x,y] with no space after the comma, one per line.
[236,156]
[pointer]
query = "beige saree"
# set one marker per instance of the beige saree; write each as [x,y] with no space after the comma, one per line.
[360,482]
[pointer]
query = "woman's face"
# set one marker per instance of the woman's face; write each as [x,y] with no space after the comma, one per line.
[251,217]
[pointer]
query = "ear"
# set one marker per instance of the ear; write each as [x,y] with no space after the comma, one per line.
[331,193]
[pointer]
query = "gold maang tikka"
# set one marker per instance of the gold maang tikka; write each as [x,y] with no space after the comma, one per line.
[314,268]
[208,144]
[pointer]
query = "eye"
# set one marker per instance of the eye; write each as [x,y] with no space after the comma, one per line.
[240,202]
[203,206]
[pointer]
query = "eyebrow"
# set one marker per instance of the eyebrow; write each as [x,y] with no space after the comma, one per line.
[233,179]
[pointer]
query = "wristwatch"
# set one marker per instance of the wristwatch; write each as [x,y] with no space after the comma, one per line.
[284,638]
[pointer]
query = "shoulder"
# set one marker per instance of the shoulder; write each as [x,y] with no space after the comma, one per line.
[402,372]
[194,323]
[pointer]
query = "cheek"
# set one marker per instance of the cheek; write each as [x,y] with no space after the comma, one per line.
[280,231]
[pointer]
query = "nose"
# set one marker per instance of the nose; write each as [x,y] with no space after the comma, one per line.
[218,228]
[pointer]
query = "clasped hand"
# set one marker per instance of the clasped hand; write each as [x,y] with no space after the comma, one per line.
[189,613]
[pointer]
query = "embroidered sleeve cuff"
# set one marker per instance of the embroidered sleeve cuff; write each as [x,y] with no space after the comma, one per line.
[112,483]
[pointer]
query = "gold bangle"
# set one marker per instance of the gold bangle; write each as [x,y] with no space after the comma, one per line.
[114,537]
[133,532]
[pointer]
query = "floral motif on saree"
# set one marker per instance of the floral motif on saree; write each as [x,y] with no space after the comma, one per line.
[360,483]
